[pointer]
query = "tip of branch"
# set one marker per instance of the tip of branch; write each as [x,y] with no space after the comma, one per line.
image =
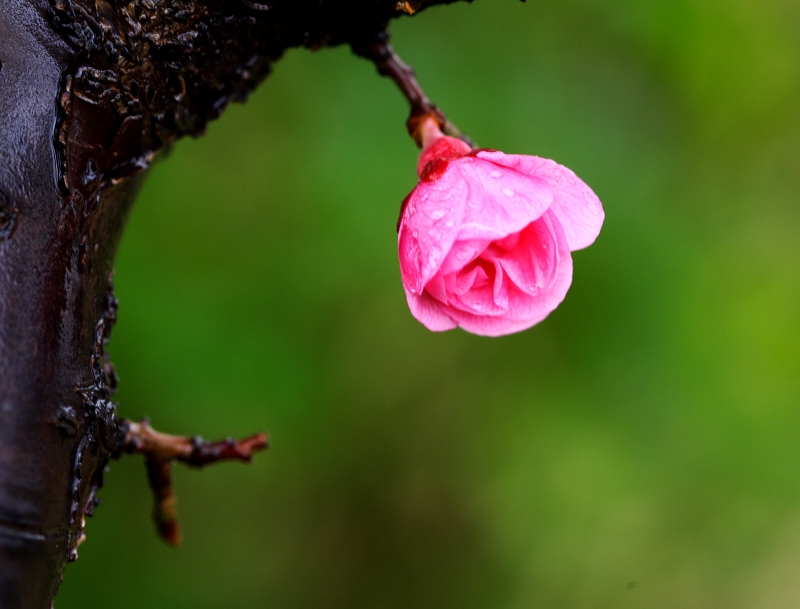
[205,452]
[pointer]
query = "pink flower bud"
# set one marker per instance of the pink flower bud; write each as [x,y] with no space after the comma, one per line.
[485,237]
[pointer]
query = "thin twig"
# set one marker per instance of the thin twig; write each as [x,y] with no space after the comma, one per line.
[161,450]
[389,63]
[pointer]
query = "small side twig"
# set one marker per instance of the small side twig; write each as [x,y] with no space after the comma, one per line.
[389,63]
[161,450]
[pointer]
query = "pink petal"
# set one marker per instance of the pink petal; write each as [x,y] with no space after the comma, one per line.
[524,309]
[436,287]
[462,253]
[410,259]
[523,305]
[429,313]
[461,283]
[482,296]
[499,202]
[532,263]
[574,204]
[500,287]
[429,226]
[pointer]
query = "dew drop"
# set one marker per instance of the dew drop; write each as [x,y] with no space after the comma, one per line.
[508,192]
[438,214]
[496,174]
[449,224]
[414,234]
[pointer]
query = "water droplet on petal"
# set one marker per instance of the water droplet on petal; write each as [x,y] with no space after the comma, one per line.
[496,174]
[438,214]
[508,192]
[449,224]
[414,234]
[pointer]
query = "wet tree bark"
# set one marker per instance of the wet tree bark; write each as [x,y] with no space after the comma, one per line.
[90,92]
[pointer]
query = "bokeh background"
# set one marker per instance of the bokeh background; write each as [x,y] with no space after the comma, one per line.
[638,449]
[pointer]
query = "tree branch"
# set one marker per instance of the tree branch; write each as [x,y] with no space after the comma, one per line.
[161,450]
[91,91]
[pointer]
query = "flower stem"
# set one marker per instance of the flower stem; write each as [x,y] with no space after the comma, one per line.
[388,63]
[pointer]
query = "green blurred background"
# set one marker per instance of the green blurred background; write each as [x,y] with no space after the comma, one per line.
[638,449]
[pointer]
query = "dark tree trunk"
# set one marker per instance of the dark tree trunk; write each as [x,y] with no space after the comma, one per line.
[90,92]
